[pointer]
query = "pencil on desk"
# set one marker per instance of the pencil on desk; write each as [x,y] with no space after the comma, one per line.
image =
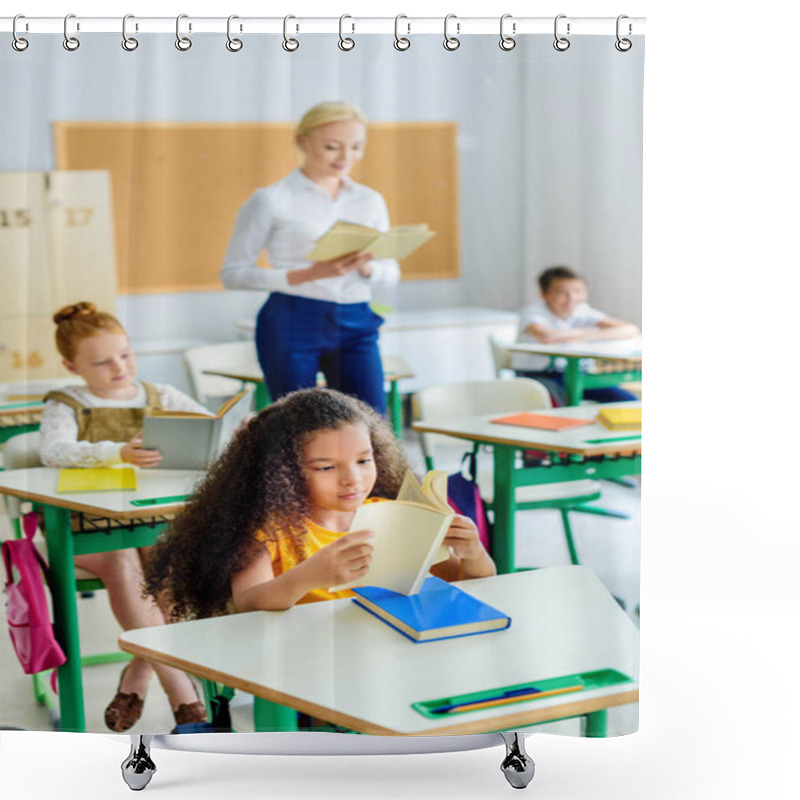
[504,700]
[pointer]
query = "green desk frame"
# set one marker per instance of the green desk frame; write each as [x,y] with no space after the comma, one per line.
[507,478]
[576,381]
[62,545]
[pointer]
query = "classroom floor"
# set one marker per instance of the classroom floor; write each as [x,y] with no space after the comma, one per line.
[609,546]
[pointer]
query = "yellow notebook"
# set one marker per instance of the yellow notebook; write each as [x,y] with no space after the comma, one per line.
[621,419]
[349,237]
[97,479]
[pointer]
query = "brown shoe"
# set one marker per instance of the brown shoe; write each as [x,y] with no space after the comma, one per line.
[124,710]
[188,713]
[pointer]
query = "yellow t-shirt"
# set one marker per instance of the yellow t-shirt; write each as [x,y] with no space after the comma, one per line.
[284,554]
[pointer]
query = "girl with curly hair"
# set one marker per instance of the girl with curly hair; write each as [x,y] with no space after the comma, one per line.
[268,526]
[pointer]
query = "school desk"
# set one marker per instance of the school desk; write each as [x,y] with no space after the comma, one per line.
[337,662]
[607,373]
[22,404]
[19,416]
[591,451]
[79,523]
[394,369]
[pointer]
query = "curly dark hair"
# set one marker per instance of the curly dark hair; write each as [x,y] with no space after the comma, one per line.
[257,484]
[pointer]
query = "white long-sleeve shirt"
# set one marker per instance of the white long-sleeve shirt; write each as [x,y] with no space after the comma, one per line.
[58,434]
[286,219]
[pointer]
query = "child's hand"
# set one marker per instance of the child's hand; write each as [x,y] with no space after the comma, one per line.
[342,561]
[134,453]
[568,335]
[462,537]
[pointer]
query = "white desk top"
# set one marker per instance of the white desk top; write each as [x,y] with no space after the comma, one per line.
[564,621]
[580,441]
[39,485]
[394,368]
[617,349]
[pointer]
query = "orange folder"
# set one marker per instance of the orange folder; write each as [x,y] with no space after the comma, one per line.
[527,419]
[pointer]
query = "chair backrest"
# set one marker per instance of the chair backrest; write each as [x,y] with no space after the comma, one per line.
[211,389]
[471,398]
[501,355]
[22,451]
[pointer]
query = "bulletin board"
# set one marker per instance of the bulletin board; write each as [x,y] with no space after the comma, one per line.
[177,187]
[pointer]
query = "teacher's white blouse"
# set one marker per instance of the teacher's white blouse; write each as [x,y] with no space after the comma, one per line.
[285,219]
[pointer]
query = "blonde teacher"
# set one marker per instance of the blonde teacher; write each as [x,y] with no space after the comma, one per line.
[317,316]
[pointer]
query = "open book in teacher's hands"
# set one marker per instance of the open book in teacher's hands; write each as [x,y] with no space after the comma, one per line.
[189,440]
[408,534]
[349,237]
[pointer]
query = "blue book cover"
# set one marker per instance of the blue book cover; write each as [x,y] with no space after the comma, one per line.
[439,610]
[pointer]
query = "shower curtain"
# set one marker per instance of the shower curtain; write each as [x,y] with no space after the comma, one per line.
[124,169]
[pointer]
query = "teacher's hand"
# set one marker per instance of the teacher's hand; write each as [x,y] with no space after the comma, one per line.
[332,268]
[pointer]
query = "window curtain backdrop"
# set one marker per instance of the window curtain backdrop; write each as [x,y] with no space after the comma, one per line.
[527,159]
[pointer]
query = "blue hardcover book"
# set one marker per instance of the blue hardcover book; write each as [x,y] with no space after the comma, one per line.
[439,610]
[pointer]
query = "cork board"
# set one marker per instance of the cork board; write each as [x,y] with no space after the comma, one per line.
[177,188]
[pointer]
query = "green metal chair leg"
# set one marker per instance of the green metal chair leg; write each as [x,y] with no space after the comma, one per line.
[601,512]
[40,692]
[210,690]
[105,658]
[628,483]
[573,553]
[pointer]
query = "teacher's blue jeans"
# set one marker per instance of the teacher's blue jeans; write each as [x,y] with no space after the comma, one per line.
[296,337]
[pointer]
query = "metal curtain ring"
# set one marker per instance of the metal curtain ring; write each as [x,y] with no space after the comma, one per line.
[623,45]
[400,42]
[128,42]
[561,43]
[507,42]
[451,42]
[18,43]
[234,45]
[290,45]
[345,42]
[182,42]
[70,42]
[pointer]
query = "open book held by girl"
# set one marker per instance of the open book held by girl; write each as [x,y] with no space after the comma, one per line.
[270,525]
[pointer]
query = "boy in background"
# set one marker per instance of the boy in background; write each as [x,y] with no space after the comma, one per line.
[564,315]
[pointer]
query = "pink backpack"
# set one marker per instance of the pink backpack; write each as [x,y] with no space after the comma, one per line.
[26,603]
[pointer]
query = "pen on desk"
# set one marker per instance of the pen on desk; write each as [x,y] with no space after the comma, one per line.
[613,439]
[513,696]
[154,501]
